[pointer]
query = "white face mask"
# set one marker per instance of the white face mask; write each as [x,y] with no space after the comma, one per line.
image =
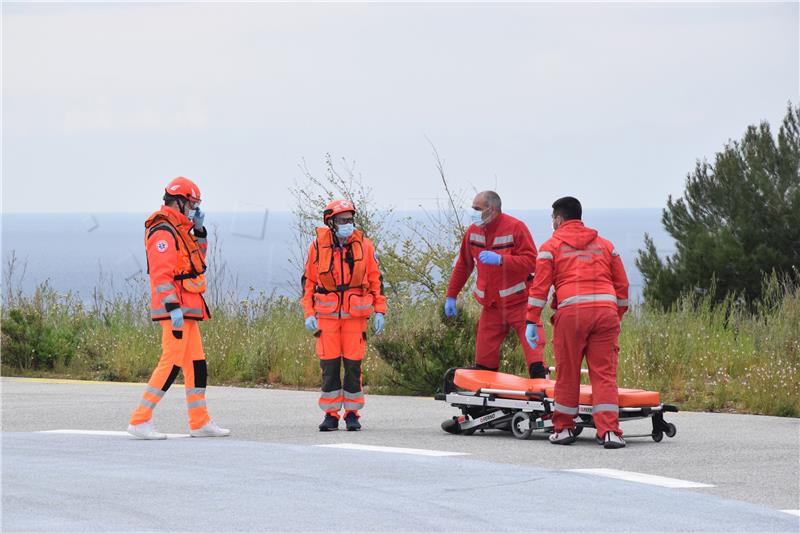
[343,231]
[476,217]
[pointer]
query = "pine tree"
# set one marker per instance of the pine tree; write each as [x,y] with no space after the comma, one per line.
[738,219]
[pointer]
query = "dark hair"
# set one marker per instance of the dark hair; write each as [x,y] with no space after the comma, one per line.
[169,198]
[568,208]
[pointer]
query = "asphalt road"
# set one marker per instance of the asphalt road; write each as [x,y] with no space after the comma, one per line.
[271,474]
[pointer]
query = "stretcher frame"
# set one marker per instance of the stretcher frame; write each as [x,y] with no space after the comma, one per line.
[523,412]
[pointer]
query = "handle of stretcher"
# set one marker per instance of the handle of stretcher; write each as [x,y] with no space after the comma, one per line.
[583,370]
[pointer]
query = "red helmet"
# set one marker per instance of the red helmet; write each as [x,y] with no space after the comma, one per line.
[185,187]
[336,207]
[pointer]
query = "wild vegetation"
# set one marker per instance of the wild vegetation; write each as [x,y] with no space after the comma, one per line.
[709,349]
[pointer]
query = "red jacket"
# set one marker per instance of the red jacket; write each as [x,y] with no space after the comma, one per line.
[176,262]
[585,269]
[500,285]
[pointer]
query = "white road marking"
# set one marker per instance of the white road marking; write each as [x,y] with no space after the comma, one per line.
[108,433]
[795,512]
[661,481]
[390,449]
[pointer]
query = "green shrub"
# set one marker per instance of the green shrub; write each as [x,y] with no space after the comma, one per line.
[29,343]
[422,344]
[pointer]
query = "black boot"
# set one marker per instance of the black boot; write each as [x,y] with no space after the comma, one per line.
[351,420]
[537,370]
[331,423]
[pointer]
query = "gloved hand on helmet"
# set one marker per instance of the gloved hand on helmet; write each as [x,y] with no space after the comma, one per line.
[198,219]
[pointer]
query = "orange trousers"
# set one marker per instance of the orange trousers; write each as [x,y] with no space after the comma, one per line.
[185,354]
[590,332]
[341,342]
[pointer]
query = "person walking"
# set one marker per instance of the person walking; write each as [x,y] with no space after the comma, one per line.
[175,241]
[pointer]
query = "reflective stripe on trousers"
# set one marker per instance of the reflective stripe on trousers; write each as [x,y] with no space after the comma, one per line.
[610,407]
[564,409]
[330,400]
[353,401]
[584,298]
[195,397]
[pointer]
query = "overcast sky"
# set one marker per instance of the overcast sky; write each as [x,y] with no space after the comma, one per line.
[609,102]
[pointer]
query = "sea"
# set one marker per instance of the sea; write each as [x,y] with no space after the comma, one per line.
[82,252]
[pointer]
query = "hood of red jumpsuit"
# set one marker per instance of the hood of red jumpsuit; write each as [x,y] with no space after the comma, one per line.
[574,233]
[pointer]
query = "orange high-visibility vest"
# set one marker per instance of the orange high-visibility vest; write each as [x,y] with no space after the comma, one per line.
[342,281]
[176,274]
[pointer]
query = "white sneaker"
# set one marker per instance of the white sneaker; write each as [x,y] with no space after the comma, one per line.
[611,441]
[146,431]
[565,436]
[210,430]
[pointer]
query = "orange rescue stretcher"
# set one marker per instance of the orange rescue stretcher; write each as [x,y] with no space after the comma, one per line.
[494,400]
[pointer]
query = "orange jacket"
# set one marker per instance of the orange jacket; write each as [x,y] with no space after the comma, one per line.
[342,282]
[175,263]
[585,269]
[505,284]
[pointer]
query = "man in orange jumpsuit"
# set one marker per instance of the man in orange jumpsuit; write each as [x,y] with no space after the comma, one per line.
[342,285]
[591,295]
[502,249]
[175,240]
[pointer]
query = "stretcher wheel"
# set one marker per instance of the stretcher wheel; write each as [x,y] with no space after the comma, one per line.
[469,431]
[521,425]
[451,426]
[671,430]
[658,435]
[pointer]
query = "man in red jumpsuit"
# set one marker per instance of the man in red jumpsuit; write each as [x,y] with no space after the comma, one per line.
[591,295]
[502,249]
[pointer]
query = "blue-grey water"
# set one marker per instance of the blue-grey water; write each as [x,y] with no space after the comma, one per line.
[79,252]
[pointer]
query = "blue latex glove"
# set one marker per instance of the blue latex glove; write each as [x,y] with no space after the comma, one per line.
[532,335]
[450,307]
[490,258]
[379,323]
[198,219]
[176,316]
[311,323]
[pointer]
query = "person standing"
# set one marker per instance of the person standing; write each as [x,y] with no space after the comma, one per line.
[175,241]
[502,249]
[591,295]
[342,286]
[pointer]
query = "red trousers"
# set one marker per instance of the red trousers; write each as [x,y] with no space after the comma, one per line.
[493,327]
[590,332]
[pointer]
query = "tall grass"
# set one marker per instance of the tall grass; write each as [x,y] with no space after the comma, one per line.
[725,357]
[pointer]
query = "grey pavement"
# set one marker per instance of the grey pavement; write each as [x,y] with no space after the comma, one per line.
[269,476]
